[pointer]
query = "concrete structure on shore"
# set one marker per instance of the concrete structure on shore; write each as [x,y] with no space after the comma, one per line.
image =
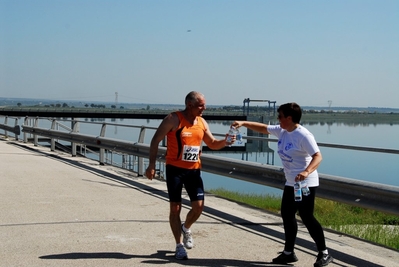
[59,210]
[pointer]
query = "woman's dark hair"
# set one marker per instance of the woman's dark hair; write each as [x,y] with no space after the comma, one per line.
[291,109]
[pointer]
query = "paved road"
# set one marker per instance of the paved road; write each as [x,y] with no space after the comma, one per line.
[58,210]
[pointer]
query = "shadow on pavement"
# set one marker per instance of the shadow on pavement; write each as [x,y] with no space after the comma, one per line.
[161,257]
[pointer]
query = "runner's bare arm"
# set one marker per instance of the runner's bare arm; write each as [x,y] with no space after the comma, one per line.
[169,123]
[211,141]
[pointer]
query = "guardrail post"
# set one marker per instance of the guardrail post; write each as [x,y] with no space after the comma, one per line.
[25,136]
[5,123]
[141,135]
[140,162]
[16,126]
[52,140]
[102,150]
[75,129]
[35,136]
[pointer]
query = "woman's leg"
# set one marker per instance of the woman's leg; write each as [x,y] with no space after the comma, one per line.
[288,210]
[306,210]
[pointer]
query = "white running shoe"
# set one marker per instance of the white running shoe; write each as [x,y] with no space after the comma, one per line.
[181,253]
[187,238]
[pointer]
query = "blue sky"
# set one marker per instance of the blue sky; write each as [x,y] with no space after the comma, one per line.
[310,52]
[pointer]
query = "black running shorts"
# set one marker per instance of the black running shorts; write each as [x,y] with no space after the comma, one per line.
[191,179]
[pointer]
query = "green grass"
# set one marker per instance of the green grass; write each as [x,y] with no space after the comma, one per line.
[370,225]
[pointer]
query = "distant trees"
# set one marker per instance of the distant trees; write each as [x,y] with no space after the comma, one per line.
[66,105]
[97,106]
[58,104]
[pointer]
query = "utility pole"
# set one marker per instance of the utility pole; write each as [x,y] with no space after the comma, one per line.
[116,106]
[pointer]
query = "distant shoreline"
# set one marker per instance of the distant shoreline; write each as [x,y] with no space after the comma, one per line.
[308,117]
[28,102]
[370,118]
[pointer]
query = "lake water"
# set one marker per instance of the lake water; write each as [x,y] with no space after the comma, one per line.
[361,165]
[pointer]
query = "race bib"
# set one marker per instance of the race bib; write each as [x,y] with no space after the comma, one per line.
[191,153]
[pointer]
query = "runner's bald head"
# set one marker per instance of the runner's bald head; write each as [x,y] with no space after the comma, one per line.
[193,97]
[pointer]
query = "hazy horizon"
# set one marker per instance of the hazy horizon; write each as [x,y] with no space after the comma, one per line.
[49,101]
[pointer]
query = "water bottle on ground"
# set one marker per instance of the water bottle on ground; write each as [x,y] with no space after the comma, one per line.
[305,188]
[297,192]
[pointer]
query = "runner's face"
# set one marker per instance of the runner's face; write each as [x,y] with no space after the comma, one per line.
[198,107]
[283,120]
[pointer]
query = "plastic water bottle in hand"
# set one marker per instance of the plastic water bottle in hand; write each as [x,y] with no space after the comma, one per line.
[297,191]
[233,131]
[239,137]
[305,188]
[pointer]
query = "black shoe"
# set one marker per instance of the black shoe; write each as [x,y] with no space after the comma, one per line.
[323,259]
[284,258]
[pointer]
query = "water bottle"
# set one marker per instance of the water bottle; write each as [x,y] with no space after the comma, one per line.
[297,192]
[232,131]
[305,188]
[239,137]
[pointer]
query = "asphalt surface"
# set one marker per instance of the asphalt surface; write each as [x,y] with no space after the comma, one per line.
[59,210]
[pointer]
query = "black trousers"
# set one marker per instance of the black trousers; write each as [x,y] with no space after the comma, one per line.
[289,207]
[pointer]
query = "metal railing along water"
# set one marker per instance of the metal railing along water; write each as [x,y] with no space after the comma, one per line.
[371,195]
[16,130]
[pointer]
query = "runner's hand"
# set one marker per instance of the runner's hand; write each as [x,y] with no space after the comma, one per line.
[150,173]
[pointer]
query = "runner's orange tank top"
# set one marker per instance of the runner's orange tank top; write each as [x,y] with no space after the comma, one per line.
[184,144]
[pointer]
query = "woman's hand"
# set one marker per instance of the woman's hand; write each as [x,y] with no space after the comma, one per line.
[301,176]
[237,124]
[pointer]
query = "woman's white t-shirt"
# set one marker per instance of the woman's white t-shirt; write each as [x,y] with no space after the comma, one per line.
[295,150]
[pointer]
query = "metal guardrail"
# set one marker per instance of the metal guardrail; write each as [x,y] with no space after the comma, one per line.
[350,191]
[16,130]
